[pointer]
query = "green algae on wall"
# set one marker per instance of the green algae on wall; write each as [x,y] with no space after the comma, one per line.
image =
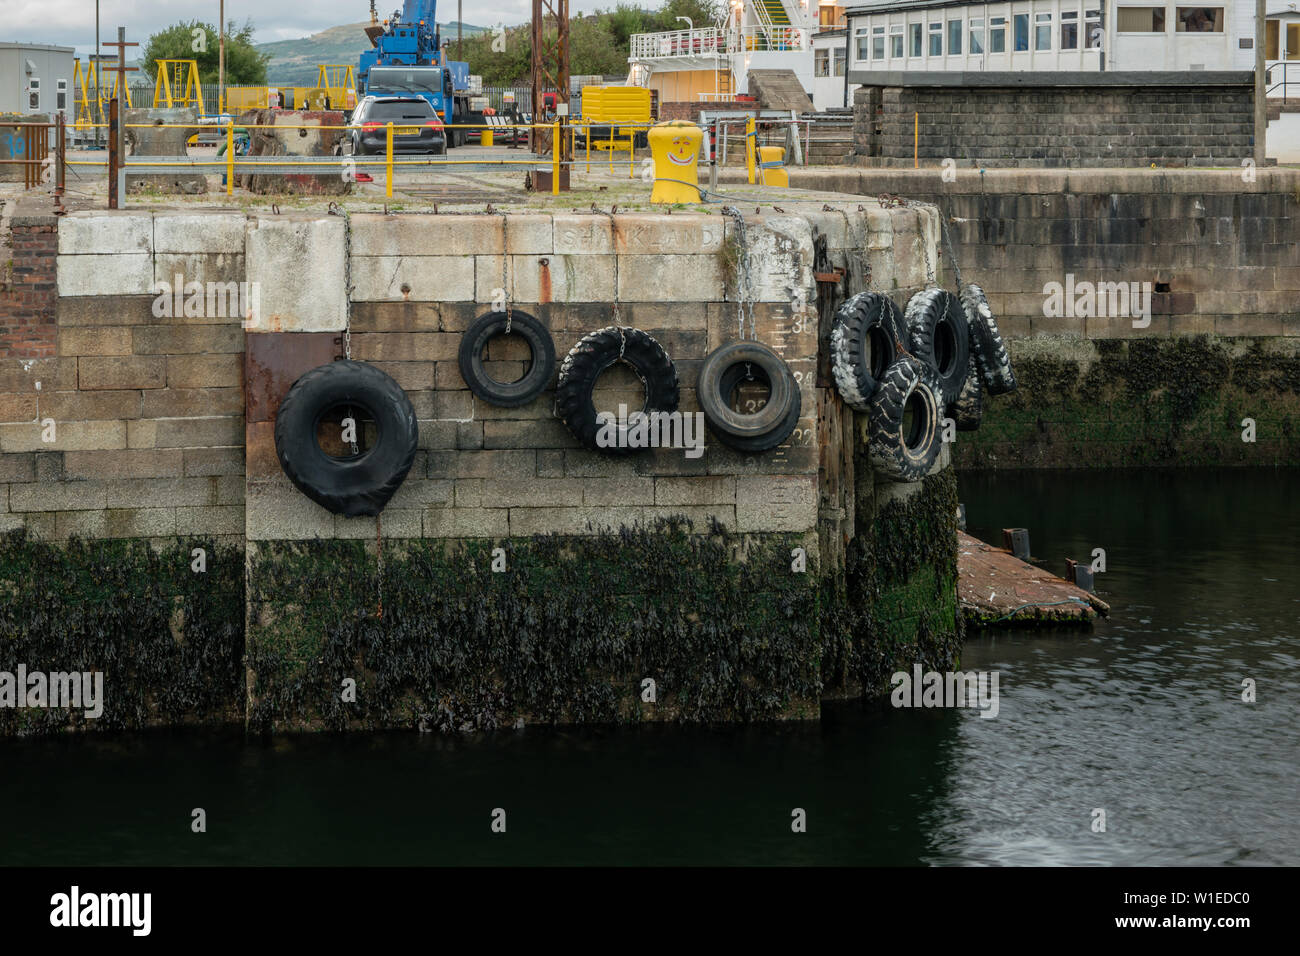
[168,639]
[900,593]
[1134,402]
[568,632]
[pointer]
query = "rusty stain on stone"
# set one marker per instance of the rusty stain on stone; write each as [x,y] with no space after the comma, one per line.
[544,280]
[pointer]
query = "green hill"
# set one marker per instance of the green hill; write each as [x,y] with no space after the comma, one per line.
[294,62]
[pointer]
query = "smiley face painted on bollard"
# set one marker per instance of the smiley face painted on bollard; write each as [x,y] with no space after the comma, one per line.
[675,148]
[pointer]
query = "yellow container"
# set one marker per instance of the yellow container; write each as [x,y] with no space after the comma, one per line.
[771,162]
[675,147]
[485,137]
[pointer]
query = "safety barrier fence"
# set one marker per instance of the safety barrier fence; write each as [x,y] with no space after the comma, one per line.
[609,136]
[28,145]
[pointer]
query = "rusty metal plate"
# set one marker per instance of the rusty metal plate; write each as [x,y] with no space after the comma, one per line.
[273,361]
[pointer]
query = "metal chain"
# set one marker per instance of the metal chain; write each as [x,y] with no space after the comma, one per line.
[337,210]
[743,288]
[379,564]
[505,285]
[947,241]
[622,343]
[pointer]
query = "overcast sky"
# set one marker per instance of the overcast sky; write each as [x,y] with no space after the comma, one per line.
[72,22]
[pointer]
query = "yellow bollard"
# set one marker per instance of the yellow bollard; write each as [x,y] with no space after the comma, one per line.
[675,147]
[751,138]
[557,147]
[771,167]
[485,137]
[230,158]
[388,161]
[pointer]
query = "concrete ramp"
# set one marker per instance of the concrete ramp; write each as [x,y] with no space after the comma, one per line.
[779,90]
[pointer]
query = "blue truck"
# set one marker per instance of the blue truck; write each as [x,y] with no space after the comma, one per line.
[407,59]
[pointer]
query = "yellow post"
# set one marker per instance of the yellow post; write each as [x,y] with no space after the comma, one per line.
[675,148]
[611,147]
[587,139]
[916,140]
[751,139]
[557,147]
[388,160]
[230,157]
[485,136]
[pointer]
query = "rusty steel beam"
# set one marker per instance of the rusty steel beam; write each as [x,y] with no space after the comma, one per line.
[550,71]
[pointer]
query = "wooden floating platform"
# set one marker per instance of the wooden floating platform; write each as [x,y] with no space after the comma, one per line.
[996,587]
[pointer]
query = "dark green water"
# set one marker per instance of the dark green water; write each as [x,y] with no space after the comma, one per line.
[1140,716]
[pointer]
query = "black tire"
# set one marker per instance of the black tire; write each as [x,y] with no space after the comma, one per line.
[865,340]
[354,486]
[909,385]
[969,407]
[938,334]
[986,342]
[357,148]
[507,394]
[726,367]
[597,352]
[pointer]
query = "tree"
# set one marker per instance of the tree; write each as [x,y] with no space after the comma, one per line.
[194,40]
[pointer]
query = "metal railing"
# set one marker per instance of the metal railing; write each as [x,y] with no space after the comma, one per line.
[42,164]
[709,41]
[1283,76]
[613,138]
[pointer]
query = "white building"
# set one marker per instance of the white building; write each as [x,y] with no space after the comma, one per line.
[707,62]
[896,36]
[35,78]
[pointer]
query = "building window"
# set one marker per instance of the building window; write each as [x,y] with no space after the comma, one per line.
[1199,20]
[914,39]
[976,36]
[877,43]
[896,40]
[1070,30]
[1042,31]
[61,95]
[1092,29]
[1020,25]
[1141,20]
[822,62]
[860,53]
[954,37]
[936,39]
[997,34]
[837,60]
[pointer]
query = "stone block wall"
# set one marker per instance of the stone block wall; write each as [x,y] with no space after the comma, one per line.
[1073,126]
[1219,251]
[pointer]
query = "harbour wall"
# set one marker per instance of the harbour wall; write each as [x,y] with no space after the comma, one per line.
[515,575]
[1216,254]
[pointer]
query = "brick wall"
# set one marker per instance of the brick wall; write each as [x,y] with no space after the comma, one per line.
[1077,126]
[154,433]
[145,412]
[27,290]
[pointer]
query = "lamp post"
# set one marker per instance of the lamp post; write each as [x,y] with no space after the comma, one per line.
[221,56]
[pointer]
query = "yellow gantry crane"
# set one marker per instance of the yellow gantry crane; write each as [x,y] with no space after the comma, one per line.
[178,85]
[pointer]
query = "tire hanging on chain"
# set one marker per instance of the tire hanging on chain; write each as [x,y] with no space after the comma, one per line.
[938,335]
[986,342]
[865,340]
[362,483]
[534,381]
[593,355]
[968,409]
[904,438]
[725,369]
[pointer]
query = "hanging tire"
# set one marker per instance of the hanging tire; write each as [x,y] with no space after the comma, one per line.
[986,342]
[903,431]
[726,368]
[346,485]
[938,334]
[592,356]
[865,340]
[969,407]
[507,394]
